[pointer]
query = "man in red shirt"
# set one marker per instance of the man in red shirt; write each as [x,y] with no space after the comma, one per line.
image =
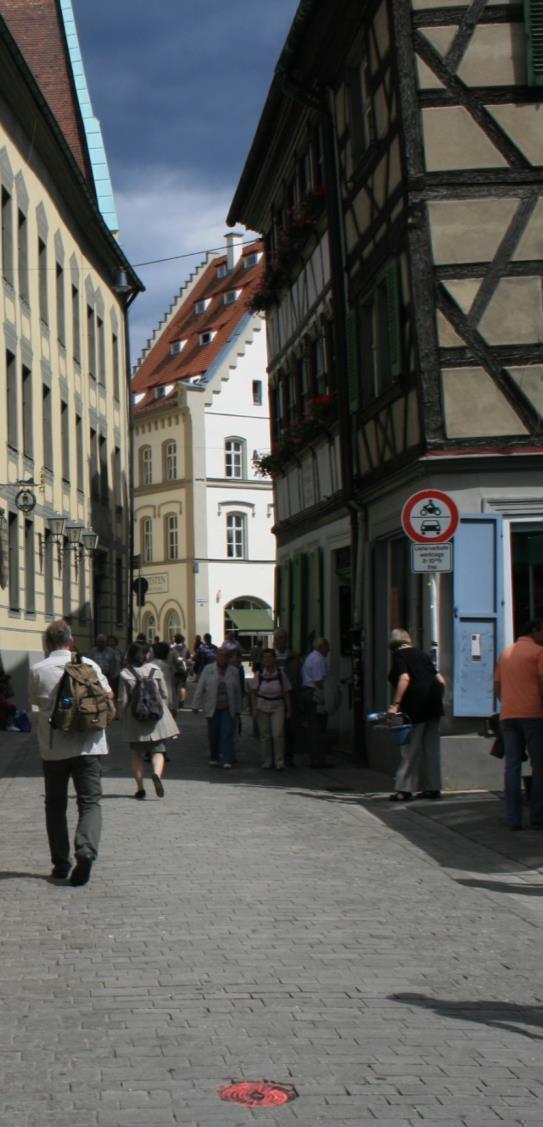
[518,682]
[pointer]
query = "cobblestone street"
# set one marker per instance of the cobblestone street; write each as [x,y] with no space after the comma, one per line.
[291,927]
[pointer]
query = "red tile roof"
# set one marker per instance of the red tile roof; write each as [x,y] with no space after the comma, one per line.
[37,27]
[159,367]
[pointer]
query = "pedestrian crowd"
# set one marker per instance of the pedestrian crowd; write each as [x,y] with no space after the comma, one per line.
[76,697]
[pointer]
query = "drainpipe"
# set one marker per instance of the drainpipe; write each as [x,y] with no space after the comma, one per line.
[323,104]
[127,295]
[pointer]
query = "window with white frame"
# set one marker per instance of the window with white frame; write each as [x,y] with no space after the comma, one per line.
[251,260]
[201,306]
[147,540]
[177,346]
[235,536]
[222,270]
[231,297]
[207,337]
[149,627]
[170,461]
[146,465]
[171,537]
[257,393]
[172,625]
[233,457]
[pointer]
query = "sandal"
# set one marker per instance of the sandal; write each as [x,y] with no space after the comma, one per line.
[400,796]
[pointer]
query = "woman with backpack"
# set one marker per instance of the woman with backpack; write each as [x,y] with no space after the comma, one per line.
[272,705]
[146,720]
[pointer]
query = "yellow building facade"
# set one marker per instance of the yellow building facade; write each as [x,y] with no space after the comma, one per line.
[64,434]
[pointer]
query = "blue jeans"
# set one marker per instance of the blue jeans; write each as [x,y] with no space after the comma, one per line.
[519,735]
[220,732]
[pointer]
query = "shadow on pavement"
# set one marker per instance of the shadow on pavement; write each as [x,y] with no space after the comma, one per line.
[521,889]
[499,1015]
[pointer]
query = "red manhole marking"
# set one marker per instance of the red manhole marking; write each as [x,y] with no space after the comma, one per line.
[259,1093]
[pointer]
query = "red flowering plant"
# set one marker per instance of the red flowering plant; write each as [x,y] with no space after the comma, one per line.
[322,408]
[291,239]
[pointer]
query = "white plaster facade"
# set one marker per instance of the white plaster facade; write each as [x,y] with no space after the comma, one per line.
[228,404]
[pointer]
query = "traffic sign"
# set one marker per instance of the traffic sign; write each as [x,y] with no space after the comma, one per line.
[431,558]
[430,517]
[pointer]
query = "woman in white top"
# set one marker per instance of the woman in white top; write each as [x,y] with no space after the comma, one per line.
[144,734]
[272,703]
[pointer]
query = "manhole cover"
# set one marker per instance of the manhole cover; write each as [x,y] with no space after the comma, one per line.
[260,1093]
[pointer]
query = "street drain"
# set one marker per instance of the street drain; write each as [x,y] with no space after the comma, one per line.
[260,1093]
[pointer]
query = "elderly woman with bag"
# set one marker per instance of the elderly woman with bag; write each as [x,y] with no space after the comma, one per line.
[142,689]
[418,694]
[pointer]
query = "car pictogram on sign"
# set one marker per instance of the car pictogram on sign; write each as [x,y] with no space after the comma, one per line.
[430,517]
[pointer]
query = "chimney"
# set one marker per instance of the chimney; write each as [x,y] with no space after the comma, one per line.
[234,246]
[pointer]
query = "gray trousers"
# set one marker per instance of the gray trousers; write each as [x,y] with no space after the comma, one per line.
[85,772]
[420,764]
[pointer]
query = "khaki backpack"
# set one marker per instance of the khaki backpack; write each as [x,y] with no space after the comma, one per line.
[81,703]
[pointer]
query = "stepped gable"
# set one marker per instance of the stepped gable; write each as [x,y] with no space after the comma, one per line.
[159,366]
[37,27]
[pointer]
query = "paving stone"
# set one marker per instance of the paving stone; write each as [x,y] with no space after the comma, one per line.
[386,963]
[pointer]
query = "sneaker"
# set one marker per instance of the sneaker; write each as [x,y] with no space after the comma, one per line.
[214,763]
[227,766]
[157,782]
[60,872]
[81,871]
[140,794]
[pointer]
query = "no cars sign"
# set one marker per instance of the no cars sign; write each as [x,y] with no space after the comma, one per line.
[430,517]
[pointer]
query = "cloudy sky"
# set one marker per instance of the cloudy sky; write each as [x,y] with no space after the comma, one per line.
[178,86]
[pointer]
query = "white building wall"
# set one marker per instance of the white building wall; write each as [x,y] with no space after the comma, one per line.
[232,413]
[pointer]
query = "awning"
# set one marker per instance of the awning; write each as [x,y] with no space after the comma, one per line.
[251,621]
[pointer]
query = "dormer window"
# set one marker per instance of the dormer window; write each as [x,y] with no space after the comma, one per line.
[176,347]
[163,390]
[201,306]
[231,297]
[222,270]
[207,337]
[251,260]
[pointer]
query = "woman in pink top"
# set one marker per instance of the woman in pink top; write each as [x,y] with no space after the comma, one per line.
[271,704]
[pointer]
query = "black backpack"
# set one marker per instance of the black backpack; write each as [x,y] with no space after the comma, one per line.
[145,701]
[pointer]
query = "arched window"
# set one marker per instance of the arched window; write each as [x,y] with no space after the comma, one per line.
[172,625]
[149,626]
[146,466]
[236,536]
[172,544]
[147,540]
[234,451]
[170,461]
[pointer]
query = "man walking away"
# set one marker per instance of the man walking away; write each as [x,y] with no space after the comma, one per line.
[518,683]
[67,755]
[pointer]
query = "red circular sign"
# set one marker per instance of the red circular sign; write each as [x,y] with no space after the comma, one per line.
[430,517]
[258,1093]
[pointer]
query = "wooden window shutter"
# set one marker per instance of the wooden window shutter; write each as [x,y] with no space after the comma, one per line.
[318,591]
[392,283]
[353,378]
[533,22]
[297,603]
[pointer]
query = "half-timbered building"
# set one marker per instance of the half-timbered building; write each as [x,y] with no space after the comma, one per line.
[433,158]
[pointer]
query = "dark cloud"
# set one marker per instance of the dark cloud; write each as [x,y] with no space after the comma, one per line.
[180,84]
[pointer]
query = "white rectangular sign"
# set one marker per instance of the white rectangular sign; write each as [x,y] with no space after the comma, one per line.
[431,557]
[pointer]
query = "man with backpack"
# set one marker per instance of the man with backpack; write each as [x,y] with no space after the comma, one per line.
[207,654]
[73,712]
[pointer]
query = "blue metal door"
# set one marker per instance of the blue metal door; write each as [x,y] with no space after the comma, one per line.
[478,613]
